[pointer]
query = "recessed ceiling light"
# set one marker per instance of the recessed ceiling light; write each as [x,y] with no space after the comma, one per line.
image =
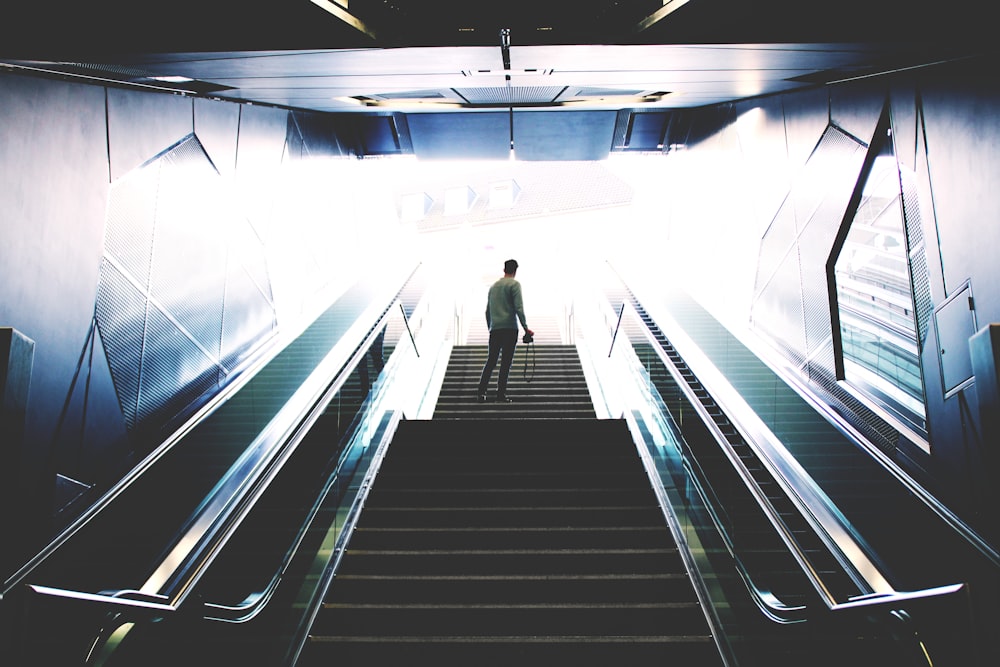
[172,79]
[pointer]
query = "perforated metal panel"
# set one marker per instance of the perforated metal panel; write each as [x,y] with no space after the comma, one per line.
[184,291]
[511,94]
[187,278]
[121,319]
[923,302]
[128,236]
[777,242]
[777,312]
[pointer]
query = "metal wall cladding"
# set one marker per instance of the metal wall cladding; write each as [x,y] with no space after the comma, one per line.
[834,168]
[923,300]
[184,292]
[792,300]
[809,220]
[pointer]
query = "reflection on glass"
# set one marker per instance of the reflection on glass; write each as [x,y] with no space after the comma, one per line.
[875,299]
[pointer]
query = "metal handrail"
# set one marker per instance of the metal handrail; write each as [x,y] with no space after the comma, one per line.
[167,589]
[614,335]
[254,602]
[242,377]
[772,606]
[846,429]
[820,514]
[406,321]
[162,604]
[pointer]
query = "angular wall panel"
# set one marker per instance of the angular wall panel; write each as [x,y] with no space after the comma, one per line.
[121,320]
[141,124]
[792,301]
[856,109]
[189,242]
[202,294]
[216,125]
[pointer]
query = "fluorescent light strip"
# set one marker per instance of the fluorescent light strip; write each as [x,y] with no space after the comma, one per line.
[345,16]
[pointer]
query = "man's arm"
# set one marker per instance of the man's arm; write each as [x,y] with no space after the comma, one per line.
[519,306]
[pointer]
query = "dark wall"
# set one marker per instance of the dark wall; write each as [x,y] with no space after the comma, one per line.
[56,175]
[948,128]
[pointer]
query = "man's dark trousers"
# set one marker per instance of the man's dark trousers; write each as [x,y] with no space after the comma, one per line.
[502,342]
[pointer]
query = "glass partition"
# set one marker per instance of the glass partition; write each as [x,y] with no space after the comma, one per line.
[878,327]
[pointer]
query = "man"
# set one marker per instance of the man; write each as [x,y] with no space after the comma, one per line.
[504,309]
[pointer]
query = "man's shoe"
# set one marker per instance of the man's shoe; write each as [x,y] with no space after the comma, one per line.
[481,398]
[504,398]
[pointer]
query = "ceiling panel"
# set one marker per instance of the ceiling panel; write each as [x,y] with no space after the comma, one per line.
[448,55]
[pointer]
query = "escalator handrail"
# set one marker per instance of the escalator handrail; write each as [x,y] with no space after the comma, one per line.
[773,607]
[242,377]
[171,565]
[312,607]
[765,599]
[143,602]
[818,514]
[254,602]
[152,605]
[409,331]
[614,335]
[846,429]
[183,567]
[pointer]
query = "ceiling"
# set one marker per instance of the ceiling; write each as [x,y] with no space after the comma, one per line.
[452,55]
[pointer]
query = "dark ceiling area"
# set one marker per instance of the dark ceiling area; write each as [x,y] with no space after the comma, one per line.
[520,57]
[75,29]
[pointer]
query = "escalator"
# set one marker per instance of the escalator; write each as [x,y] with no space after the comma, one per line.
[130,565]
[527,531]
[419,575]
[751,533]
[902,536]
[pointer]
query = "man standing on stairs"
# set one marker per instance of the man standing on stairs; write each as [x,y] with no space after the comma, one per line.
[504,309]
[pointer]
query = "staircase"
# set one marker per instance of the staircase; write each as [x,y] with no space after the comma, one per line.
[546,382]
[504,541]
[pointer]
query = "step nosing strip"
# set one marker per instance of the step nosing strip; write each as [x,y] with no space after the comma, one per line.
[532,508]
[526,606]
[509,529]
[501,552]
[514,577]
[522,639]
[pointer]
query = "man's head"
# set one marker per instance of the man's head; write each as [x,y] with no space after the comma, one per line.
[510,267]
